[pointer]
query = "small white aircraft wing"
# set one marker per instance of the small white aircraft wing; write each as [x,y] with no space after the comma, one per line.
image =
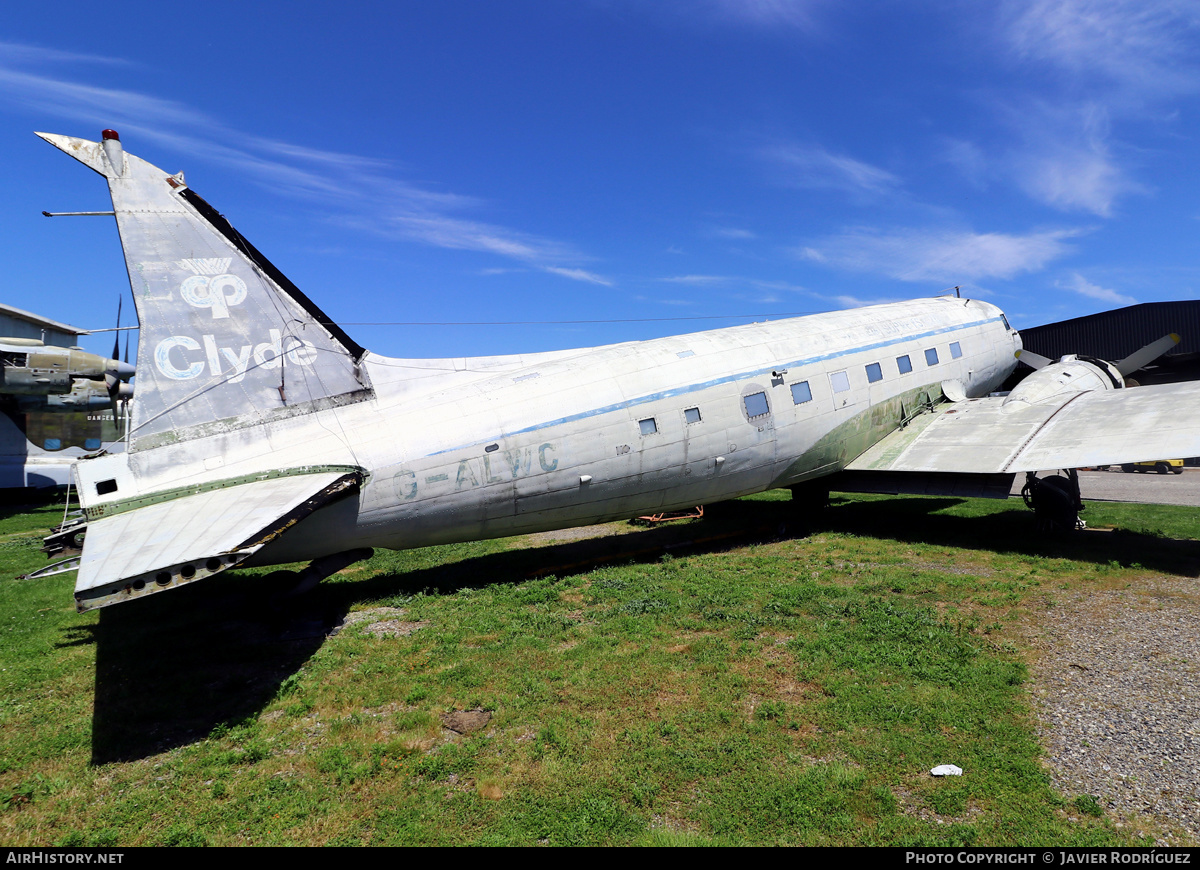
[1072,430]
[189,537]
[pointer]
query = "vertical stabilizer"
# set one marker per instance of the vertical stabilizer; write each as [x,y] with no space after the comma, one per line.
[226,340]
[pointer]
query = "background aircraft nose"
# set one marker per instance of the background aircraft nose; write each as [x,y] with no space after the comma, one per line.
[122,370]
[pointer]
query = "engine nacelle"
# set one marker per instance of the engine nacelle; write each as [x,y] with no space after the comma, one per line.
[29,368]
[84,396]
[1071,374]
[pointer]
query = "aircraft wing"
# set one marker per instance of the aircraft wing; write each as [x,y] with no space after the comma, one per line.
[189,537]
[1072,430]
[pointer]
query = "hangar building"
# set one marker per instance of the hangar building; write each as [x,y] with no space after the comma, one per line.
[15,323]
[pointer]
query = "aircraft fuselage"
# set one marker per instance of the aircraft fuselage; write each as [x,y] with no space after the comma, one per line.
[466,449]
[483,448]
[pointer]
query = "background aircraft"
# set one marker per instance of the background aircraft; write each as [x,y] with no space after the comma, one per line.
[55,402]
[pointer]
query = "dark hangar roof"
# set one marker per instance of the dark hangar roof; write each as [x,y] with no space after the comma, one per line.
[1113,335]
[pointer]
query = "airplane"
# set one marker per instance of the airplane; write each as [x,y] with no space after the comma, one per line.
[52,401]
[44,377]
[263,434]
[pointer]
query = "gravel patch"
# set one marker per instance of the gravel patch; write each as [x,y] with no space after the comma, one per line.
[381,622]
[1117,695]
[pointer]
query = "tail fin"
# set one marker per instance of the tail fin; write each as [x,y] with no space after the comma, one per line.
[226,340]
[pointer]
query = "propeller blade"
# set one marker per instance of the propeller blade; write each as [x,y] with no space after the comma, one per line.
[1146,355]
[117,334]
[1034,360]
[125,359]
[119,394]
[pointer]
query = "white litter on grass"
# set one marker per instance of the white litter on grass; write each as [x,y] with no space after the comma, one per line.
[947,770]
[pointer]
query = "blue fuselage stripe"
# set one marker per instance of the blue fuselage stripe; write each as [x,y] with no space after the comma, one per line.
[726,379]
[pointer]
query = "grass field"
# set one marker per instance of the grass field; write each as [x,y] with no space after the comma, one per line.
[732,680]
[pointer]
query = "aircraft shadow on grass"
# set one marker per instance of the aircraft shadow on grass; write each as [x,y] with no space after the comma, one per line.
[170,670]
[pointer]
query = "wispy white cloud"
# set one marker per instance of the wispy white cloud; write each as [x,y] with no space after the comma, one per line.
[1112,62]
[969,159]
[846,301]
[735,233]
[578,275]
[764,13]
[1146,46]
[735,281]
[698,279]
[1059,155]
[1072,178]
[811,166]
[659,300]
[356,190]
[1066,161]
[943,256]
[769,15]
[1084,287]
[18,53]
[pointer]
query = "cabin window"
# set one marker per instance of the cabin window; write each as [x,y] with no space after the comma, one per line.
[931,357]
[840,382]
[904,364]
[104,487]
[648,426]
[801,393]
[756,405]
[692,415]
[955,349]
[874,373]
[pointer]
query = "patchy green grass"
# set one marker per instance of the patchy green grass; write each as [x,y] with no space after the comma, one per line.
[724,681]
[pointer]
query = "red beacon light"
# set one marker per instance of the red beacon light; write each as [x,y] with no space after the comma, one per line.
[110,134]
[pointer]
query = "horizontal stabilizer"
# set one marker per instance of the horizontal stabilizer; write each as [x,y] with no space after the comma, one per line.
[1073,430]
[162,545]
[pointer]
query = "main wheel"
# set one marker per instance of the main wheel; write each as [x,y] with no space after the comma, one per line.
[1055,503]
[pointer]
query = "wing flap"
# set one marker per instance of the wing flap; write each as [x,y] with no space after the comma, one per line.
[1074,431]
[185,539]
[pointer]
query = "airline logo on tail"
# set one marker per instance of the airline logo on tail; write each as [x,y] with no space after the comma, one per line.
[210,286]
[268,354]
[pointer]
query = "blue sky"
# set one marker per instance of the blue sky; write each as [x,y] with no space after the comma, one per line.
[645,164]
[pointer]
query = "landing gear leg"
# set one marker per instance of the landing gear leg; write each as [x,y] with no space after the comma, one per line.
[327,566]
[809,501]
[1055,501]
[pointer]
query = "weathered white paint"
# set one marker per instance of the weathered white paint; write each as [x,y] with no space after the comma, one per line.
[246,377]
